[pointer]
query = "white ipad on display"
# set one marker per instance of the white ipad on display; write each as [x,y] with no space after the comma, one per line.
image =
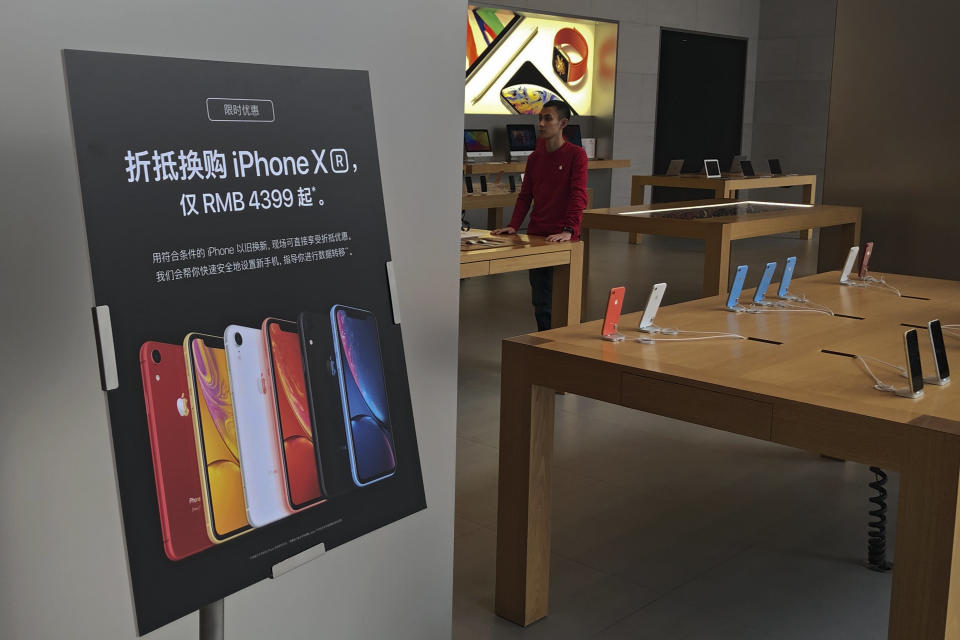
[848,265]
[712,167]
[653,304]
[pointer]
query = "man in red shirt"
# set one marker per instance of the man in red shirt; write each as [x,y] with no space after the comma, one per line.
[556,181]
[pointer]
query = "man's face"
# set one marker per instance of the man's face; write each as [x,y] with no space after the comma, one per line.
[550,123]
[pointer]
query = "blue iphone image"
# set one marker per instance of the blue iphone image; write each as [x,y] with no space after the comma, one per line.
[765,280]
[787,276]
[363,393]
[737,287]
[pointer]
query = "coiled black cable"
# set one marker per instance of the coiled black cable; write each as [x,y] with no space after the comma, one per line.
[877,535]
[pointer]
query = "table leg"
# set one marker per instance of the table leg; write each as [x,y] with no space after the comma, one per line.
[809,197]
[835,242]
[585,277]
[524,492]
[494,217]
[567,283]
[716,261]
[925,601]
[638,195]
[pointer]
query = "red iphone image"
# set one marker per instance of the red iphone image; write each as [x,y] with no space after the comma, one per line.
[174,450]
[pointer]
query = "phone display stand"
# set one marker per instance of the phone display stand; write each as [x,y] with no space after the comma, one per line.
[903,392]
[616,336]
[935,380]
[106,352]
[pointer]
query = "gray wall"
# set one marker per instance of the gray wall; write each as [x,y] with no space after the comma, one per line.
[794,61]
[62,562]
[894,130]
[638,57]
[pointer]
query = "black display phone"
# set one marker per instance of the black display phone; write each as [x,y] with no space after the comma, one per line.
[775,168]
[939,350]
[746,168]
[483,184]
[325,404]
[513,184]
[528,90]
[914,370]
[469,182]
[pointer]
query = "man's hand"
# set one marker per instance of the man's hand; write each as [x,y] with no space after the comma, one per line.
[563,236]
[504,231]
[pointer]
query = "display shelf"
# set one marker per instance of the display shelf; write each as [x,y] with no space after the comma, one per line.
[483,168]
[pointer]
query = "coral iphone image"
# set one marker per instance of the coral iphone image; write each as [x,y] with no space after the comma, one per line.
[257,438]
[326,408]
[363,392]
[291,415]
[174,450]
[216,436]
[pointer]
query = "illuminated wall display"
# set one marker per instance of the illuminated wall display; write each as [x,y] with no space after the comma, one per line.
[518,60]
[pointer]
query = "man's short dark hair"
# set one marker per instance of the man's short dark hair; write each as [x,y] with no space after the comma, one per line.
[563,109]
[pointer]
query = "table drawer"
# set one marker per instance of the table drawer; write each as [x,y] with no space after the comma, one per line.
[473,269]
[505,265]
[700,406]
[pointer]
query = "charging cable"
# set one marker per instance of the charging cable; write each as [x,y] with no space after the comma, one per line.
[700,335]
[871,281]
[879,384]
[667,331]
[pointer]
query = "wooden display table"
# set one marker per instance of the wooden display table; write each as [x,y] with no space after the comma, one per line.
[725,186]
[790,393]
[529,252]
[840,230]
[478,168]
[495,199]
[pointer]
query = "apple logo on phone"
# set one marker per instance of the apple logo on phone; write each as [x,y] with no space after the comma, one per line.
[182,408]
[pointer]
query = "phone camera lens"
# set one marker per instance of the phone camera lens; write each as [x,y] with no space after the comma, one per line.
[238,339]
[156,356]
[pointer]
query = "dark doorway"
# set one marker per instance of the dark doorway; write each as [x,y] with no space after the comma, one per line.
[699,104]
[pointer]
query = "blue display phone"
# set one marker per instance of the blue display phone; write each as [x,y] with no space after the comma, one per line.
[787,276]
[737,287]
[765,281]
[363,394]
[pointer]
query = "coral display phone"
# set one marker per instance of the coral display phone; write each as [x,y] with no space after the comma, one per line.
[291,415]
[612,316]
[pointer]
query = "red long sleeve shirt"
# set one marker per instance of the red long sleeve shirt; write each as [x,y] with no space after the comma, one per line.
[556,181]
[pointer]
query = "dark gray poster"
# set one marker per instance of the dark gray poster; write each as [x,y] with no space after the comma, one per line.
[238,245]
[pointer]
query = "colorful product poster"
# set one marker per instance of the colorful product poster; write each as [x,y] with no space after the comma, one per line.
[518,60]
[238,244]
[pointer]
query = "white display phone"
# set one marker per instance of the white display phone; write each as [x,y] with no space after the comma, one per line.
[848,265]
[653,304]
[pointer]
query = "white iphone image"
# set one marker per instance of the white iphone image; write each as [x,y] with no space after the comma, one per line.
[257,435]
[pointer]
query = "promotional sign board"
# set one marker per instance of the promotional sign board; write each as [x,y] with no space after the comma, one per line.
[238,246]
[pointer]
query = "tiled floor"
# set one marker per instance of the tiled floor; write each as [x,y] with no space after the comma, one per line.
[662,529]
